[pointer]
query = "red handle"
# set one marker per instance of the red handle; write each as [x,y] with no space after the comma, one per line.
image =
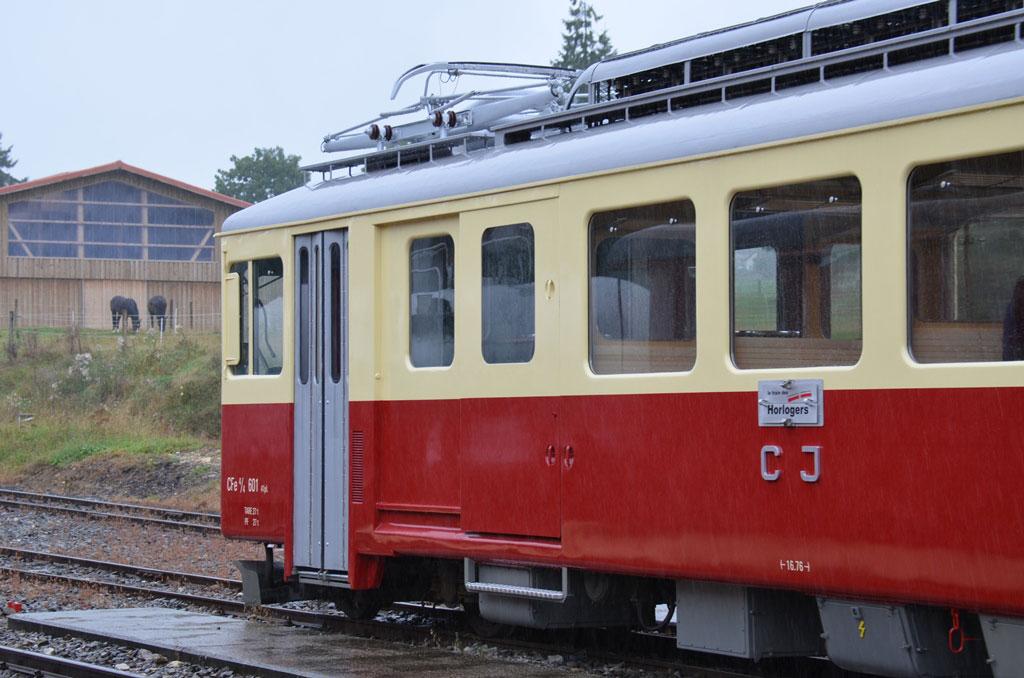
[569,458]
[551,456]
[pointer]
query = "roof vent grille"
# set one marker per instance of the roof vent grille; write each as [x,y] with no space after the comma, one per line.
[884,41]
[966,10]
[882,27]
[768,53]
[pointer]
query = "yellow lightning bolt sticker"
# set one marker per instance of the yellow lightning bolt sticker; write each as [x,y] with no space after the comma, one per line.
[861,628]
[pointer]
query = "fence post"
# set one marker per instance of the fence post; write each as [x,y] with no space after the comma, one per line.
[191,317]
[74,335]
[12,349]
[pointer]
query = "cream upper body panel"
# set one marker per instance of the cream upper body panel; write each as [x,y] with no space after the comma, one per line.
[880,156]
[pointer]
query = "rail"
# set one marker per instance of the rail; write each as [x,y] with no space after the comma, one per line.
[83,501]
[53,503]
[124,568]
[35,664]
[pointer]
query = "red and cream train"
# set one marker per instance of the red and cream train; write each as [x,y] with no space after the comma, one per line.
[734,323]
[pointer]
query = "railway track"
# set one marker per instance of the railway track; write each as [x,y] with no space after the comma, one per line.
[106,565]
[94,508]
[445,626]
[36,664]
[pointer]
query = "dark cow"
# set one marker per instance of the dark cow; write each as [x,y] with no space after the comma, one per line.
[124,307]
[157,307]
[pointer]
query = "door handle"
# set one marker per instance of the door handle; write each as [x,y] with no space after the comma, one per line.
[551,456]
[569,458]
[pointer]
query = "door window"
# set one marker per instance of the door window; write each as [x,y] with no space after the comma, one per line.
[507,280]
[432,301]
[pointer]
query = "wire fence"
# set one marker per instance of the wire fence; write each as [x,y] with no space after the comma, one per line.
[19,328]
[175,321]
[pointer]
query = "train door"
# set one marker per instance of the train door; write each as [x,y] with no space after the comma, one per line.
[321,404]
[511,456]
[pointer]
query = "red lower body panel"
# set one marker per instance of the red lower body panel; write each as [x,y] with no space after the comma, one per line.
[256,472]
[919,497]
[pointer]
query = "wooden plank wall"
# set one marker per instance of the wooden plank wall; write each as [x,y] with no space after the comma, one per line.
[39,301]
[110,269]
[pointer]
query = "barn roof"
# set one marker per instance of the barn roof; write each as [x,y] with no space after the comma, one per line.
[125,167]
[979,77]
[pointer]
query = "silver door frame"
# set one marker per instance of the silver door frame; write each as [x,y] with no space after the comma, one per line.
[320,518]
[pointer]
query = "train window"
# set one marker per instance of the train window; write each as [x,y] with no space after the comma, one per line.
[318,312]
[267,318]
[966,228]
[303,315]
[643,289]
[242,269]
[336,313]
[507,276]
[796,291]
[432,301]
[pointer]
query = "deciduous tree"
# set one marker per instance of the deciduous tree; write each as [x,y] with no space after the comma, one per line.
[264,174]
[580,45]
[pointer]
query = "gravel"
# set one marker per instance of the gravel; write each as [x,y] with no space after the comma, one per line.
[113,540]
[124,542]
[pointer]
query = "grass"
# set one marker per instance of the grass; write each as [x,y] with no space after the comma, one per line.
[61,443]
[96,394]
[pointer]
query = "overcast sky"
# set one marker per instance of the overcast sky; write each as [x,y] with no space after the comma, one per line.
[178,87]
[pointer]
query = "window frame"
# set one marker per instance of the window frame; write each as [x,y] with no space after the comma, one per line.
[533,299]
[246,311]
[590,274]
[780,299]
[409,296]
[256,335]
[910,269]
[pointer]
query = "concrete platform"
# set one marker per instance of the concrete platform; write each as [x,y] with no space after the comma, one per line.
[277,651]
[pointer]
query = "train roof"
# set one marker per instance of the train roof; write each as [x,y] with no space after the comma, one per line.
[981,76]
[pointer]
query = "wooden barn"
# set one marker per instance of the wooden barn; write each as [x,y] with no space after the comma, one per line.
[72,241]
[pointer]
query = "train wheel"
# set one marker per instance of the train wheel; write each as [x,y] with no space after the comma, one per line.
[485,628]
[360,605]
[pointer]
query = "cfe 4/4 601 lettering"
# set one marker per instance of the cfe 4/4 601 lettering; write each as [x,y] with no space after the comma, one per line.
[244,485]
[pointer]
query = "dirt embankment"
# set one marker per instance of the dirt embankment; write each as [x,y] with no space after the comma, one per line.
[185,480]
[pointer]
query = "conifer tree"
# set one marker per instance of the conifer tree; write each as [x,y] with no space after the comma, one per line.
[6,163]
[580,46]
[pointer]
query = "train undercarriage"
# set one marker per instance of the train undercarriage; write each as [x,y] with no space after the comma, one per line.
[875,637]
